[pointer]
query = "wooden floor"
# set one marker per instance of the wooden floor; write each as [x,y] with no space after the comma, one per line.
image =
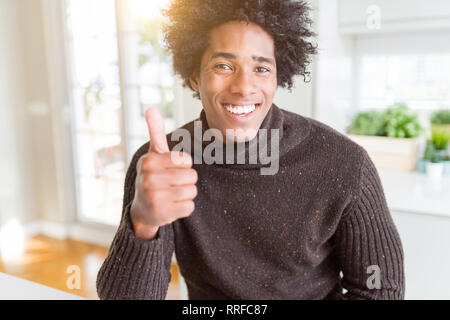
[46,260]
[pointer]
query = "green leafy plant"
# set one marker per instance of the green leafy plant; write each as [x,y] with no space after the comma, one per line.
[400,123]
[440,139]
[369,123]
[440,117]
[436,158]
[431,153]
[395,122]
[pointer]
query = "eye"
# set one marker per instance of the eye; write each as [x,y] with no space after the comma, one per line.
[223,66]
[262,69]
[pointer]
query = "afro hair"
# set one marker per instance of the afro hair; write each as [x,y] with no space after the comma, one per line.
[287,21]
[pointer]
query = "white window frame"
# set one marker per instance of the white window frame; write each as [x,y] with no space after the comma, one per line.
[426,42]
[62,111]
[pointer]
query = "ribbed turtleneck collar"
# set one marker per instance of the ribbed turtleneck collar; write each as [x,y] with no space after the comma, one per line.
[276,125]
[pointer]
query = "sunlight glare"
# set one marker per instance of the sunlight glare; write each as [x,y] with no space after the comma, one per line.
[12,241]
[145,9]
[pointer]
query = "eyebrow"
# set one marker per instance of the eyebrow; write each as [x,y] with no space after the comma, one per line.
[231,56]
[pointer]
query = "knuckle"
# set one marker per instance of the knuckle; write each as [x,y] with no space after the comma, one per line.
[188,159]
[175,158]
[182,158]
[189,207]
[149,161]
[187,192]
[194,175]
[191,191]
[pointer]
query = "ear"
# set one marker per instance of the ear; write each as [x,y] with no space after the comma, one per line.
[194,81]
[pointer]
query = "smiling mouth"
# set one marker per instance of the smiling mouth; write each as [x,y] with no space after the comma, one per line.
[241,109]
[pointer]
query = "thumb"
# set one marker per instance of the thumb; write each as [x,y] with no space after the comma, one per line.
[155,125]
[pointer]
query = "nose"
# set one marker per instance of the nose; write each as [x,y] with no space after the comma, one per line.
[243,84]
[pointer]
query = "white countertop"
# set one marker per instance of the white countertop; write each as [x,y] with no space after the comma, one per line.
[416,192]
[13,288]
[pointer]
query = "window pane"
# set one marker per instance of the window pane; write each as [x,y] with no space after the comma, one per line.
[147,67]
[97,122]
[95,60]
[97,109]
[98,154]
[86,18]
[100,171]
[423,81]
[100,198]
[96,94]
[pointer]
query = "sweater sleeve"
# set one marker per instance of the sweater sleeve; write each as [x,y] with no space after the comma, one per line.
[369,249]
[135,268]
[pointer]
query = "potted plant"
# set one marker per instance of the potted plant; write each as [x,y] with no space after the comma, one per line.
[434,166]
[440,121]
[436,160]
[441,139]
[389,137]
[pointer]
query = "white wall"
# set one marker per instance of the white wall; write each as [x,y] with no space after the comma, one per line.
[16,188]
[31,187]
[48,186]
[333,91]
[398,15]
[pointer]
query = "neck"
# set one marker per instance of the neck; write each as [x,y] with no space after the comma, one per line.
[274,138]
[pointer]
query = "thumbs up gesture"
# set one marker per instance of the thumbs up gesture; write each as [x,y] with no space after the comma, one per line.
[165,183]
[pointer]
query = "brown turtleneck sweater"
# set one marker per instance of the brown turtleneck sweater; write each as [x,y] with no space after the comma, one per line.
[282,236]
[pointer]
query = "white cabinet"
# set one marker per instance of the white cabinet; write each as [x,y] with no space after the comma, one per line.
[420,208]
[426,247]
[398,15]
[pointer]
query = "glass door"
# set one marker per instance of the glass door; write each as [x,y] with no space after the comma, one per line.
[117,69]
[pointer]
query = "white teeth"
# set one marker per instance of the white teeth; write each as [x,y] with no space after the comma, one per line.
[240,109]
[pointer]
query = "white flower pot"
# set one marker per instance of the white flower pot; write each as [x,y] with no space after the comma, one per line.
[435,170]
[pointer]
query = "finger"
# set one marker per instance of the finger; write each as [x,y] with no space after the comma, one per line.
[156,130]
[173,194]
[183,209]
[183,193]
[163,202]
[156,162]
[169,178]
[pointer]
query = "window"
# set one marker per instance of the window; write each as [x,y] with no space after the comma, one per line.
[146,69]
[423,80]
[408,67]
[117,70]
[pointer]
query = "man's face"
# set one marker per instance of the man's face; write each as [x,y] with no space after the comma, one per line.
[238,78]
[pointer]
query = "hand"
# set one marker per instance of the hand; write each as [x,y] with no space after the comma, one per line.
[165,183]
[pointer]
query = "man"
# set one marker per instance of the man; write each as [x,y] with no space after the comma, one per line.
[316,226]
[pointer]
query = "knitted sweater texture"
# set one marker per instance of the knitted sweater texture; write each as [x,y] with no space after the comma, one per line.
[320,224]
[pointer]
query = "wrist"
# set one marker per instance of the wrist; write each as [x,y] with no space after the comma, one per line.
[145,232]
[142,230]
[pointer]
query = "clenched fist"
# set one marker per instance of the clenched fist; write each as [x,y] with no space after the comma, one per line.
[165,183]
